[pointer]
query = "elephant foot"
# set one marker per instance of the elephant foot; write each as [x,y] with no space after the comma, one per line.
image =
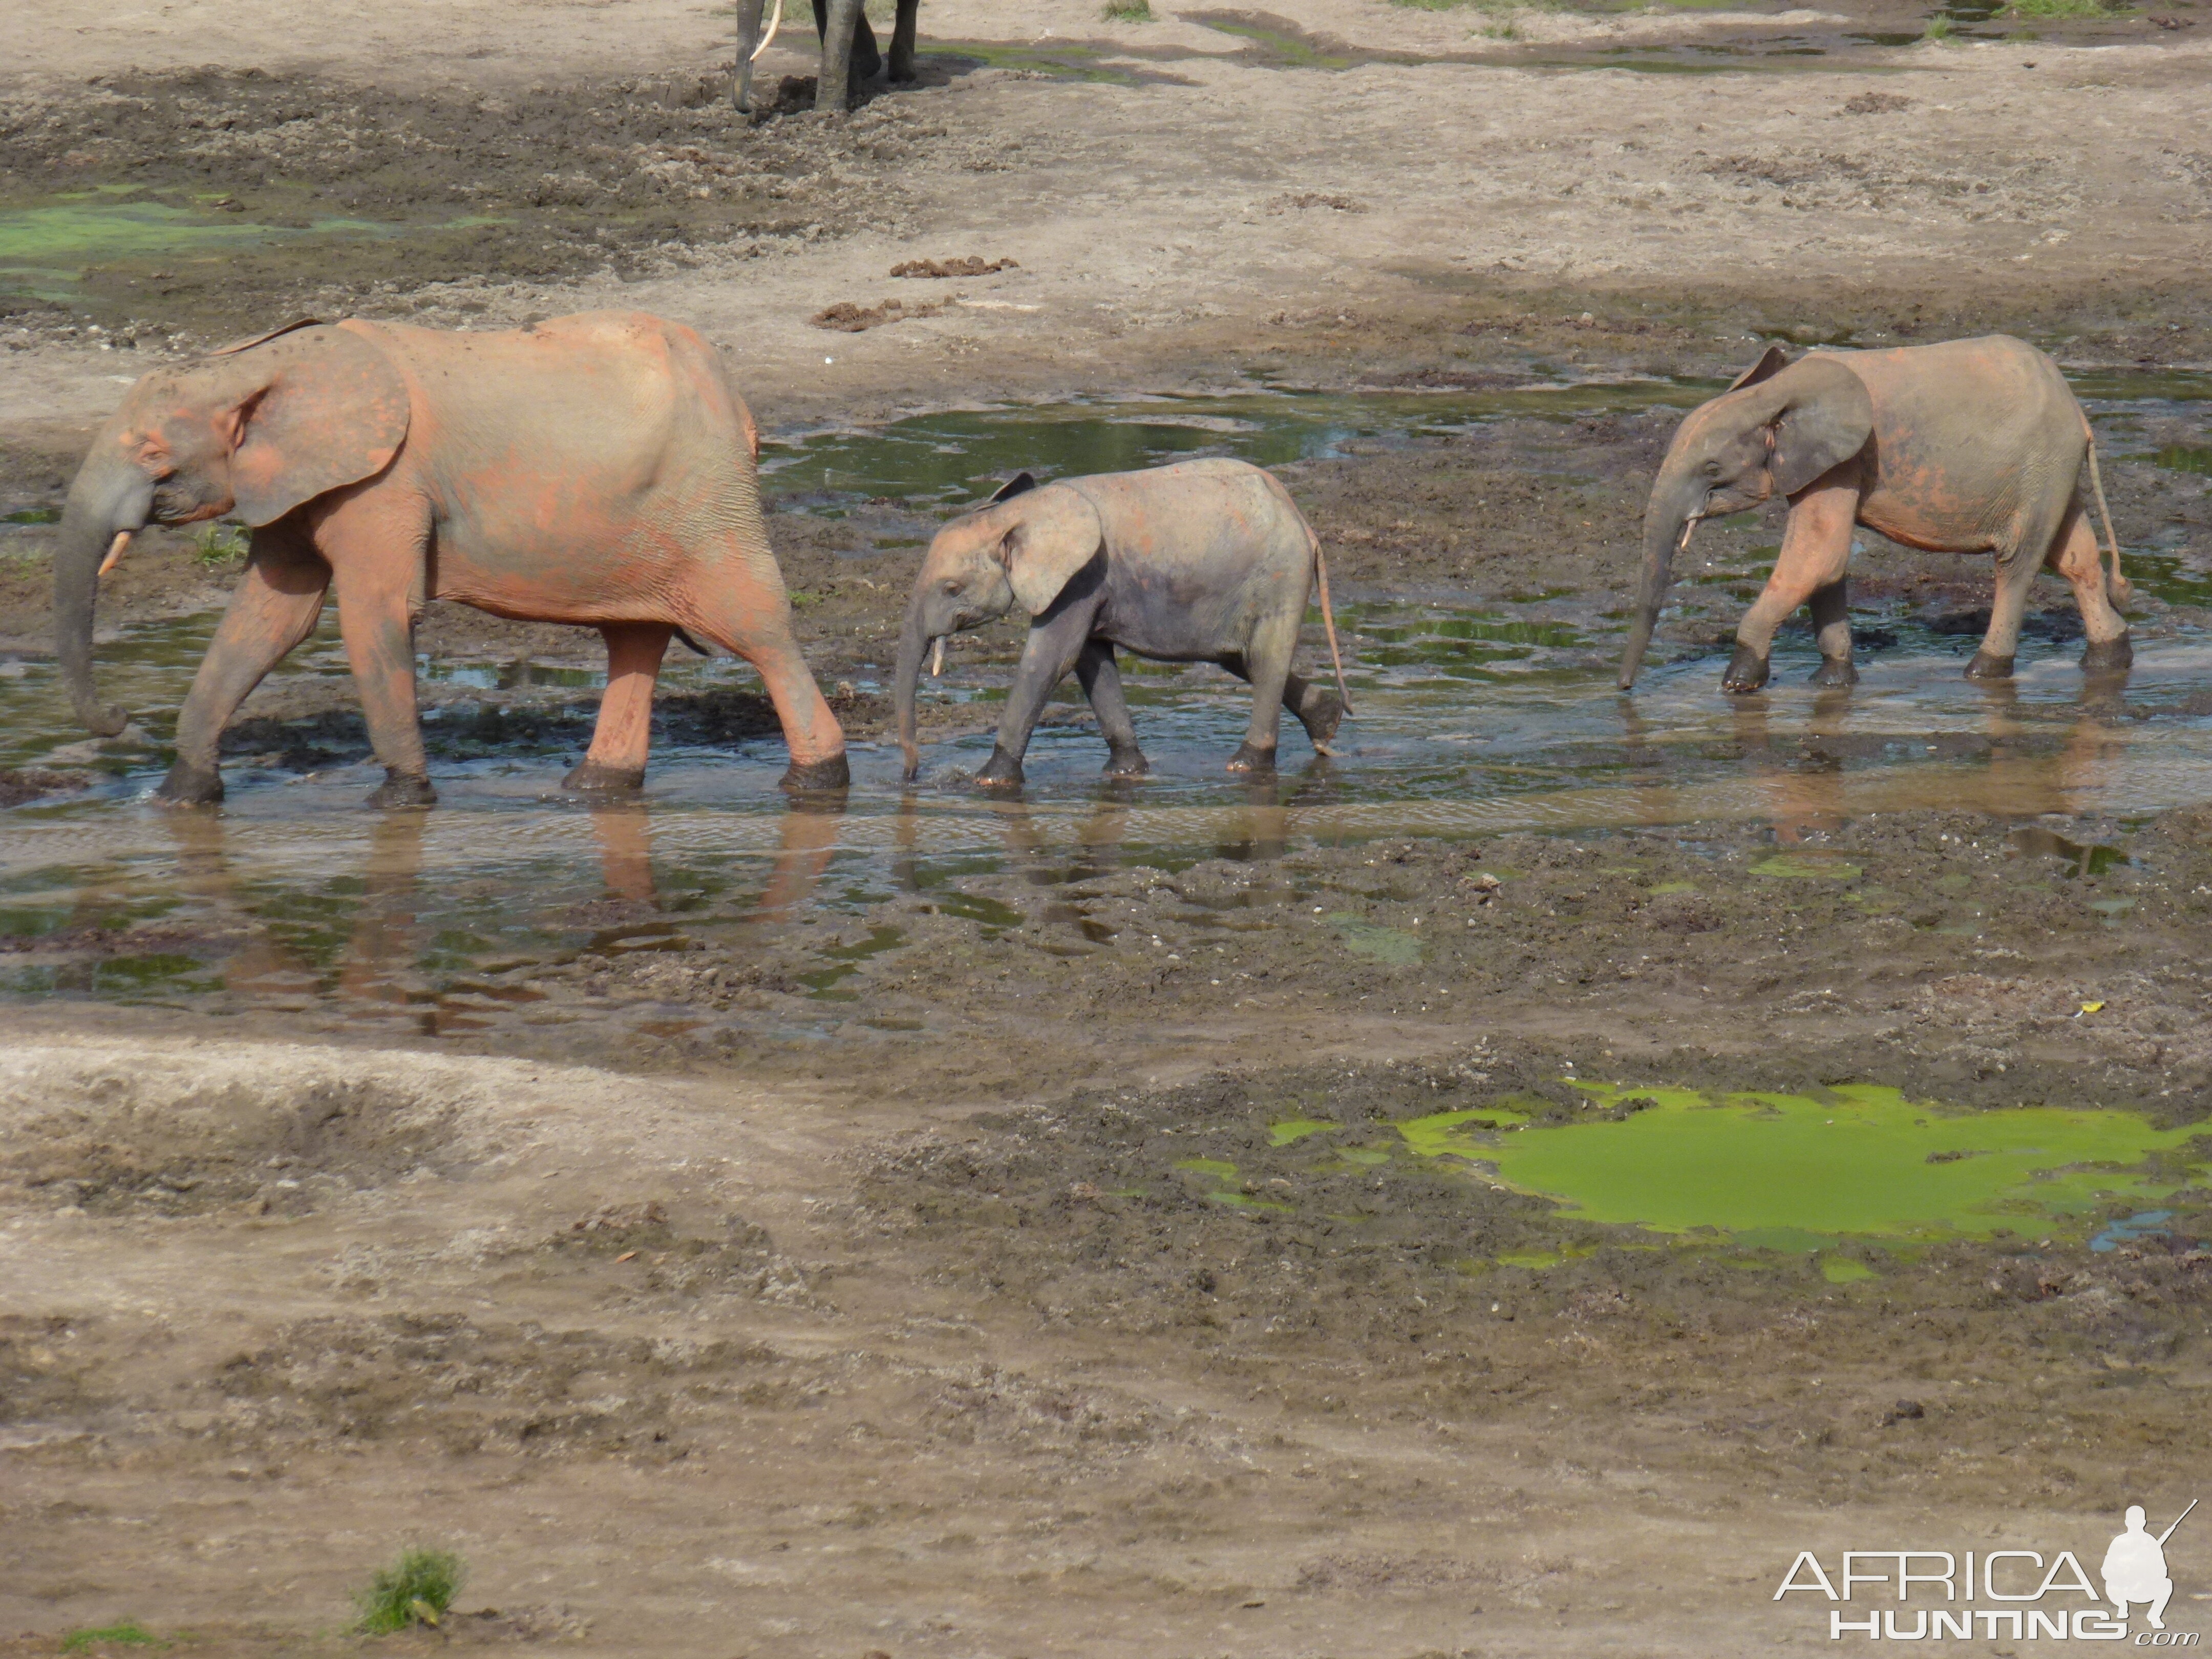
[1001,771]
[1322,720]
[1835,673]
[1127,762]
[1746,672]
[1986,667]
[189,786]
[806,777]
[2108,656]
[1248,759]
[594,779]
[403,789]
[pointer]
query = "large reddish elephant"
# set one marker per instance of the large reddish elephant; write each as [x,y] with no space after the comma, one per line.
[595,469]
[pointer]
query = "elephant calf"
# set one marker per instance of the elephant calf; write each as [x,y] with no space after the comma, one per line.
[596,469]
[1969,447]
[1203,562]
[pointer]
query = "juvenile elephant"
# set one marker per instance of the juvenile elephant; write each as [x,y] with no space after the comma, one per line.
[1969,447]
[849,54]
[596,469]
[1206,561]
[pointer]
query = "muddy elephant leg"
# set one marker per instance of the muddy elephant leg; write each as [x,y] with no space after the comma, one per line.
[849,56]
[1055,645]
[1266,664]
[748,33]
[1816,551]
[1831,630]
[901,66]
[375,616]
[741,605]
[1319,710]
[2016,570]
[2074,555]
[624,736]
[1102,687]
[276,605]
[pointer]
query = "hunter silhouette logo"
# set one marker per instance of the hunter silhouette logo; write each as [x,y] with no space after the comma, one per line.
[2028,1588]
[2135,1567]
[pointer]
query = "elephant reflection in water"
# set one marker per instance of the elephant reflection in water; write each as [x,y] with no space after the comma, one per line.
[1811,793]
[392,927]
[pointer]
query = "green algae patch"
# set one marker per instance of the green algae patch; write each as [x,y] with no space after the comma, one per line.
[1291,1131]
[1444,1133]
[1789,1172]
[1806,866]
[1227,1181]
[1392,946]
[1667,887]
[1842,1270]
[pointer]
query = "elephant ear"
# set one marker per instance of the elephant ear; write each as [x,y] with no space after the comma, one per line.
[1823,419]
[321,407]
[1020,484]
[1771,363]
[1052,534]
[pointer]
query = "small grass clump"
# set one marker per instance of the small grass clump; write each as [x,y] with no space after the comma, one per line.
[416,1591]
[2059,8]
[1128,11]
[129,1633]
[217,542]
[1939,29]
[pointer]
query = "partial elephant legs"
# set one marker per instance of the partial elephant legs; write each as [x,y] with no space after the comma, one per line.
[1319,710]
[1816,552]
[376,616]
[1101,685]
[1266,664]
[624,736]
[1055,646]
[2074,555]
[848,52]
[1832,631]
[275,607]
[902,34]
[743,608]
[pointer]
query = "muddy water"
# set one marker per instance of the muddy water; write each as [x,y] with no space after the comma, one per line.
[1470,722]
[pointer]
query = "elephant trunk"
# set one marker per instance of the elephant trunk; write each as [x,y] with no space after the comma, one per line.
[907,673]
[110,499]
[1668,521]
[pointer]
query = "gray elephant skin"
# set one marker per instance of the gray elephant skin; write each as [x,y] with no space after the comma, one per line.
[1206,561]
[1968,447]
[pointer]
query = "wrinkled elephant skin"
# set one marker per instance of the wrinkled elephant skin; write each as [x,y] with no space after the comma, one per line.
[1968,447]
[595,469]
[1205,562]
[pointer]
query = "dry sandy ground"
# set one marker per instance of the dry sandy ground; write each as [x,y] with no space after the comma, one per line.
[731,1358]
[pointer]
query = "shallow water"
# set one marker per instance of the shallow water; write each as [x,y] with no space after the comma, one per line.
[1469,723]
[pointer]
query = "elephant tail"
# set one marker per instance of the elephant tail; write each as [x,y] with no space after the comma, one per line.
[1328,622]
[2119,589]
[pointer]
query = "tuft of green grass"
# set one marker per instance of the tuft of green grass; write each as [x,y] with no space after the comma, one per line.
[1127,11]
[417,1591]
[1939,29]
[129,1633]
[2059,8]
[217,542]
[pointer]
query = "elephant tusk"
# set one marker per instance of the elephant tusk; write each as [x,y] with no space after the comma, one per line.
[1688,526]
[115,551]
[936,657]
[775,22]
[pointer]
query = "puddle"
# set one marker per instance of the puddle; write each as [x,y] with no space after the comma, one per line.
[948,458]
[1789,1172]
[1472,722]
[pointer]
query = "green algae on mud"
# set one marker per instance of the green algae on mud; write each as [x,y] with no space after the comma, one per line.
[1790,1172]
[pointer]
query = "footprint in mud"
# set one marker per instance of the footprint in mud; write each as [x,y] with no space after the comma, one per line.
[278,1150]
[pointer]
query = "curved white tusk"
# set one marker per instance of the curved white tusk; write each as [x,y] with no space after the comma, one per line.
[115,551]
[936,657]
[775,22]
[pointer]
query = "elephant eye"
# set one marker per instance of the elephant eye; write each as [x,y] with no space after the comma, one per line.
[953,588]
[1712,469]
